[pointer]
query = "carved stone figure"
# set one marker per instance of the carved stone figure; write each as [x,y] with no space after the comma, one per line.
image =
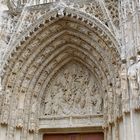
[110,104]
[118,99]
[1,100]
[138,78]
[124,89]
[105,108]
[57,106]
[48,105]
[34,105]
[96,100]
[7,97]
[19,123]
[132,76]
[77,100]
[33,113]
[6,107]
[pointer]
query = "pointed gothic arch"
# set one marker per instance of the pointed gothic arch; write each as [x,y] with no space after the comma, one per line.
[51,43]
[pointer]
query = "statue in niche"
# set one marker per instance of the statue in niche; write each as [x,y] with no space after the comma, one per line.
[132,76]
[124,89]
[138,74]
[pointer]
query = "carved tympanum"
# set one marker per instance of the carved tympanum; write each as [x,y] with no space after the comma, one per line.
[73,92]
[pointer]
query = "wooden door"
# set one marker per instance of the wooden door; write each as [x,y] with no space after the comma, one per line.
[89,136]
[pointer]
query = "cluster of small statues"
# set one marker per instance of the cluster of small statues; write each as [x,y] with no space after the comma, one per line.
[127,90]
[73,93]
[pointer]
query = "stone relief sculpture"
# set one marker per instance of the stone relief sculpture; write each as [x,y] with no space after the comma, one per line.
[7,25]
[118,99]
[132,76]
[73,93]
[32,115]
[20,120]
[1,97]
[138,78]
[96,100]
[6,107]
[110,104]
[124,89]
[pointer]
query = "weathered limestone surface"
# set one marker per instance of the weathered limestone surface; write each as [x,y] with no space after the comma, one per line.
[70,64]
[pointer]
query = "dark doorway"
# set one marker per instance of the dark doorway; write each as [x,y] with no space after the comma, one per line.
[86,136]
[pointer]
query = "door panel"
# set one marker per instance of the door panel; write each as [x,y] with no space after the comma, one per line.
[89,136]
[96,136]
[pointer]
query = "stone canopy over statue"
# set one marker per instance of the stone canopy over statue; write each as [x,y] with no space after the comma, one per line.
[73,92]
